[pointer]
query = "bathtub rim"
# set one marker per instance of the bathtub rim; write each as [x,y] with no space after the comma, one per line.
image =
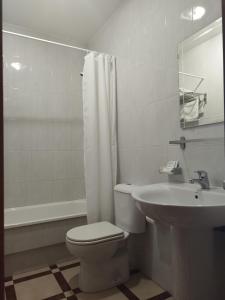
[78,214]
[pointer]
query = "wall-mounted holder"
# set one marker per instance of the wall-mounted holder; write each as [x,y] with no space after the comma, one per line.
[181,142]
[177,171]
[172,168]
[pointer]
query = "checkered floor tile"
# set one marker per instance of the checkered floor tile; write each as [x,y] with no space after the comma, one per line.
[60,282]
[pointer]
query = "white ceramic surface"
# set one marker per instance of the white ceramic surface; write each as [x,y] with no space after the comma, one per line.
[185,205]
[192,214]
[127,216]
[36,214]
[36,226]
[104,264]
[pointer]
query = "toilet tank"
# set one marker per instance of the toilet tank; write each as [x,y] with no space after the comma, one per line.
[127,216]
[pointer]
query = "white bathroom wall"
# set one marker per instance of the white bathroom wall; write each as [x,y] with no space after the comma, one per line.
[43,128]
[144,36]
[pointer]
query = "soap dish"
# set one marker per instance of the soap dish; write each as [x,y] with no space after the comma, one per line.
[176,171]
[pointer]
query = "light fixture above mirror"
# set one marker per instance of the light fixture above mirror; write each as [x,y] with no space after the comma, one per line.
[193,14]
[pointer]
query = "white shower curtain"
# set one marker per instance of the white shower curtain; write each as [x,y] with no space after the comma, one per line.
[100,135]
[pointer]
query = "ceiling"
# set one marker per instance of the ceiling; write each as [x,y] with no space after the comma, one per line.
[73,20]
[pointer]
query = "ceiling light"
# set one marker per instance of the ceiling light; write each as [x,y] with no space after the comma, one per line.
[187,15]
[198,12]
[16,65]
[193,14]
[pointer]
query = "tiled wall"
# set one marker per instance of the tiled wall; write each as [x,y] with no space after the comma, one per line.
[43,122]
[144,36]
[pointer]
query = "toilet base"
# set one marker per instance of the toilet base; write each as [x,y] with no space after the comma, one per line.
[102,275]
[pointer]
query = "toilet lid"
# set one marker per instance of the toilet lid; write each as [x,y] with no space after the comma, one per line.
[95,232]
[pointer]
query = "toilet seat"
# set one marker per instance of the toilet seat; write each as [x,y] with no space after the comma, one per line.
[95,233]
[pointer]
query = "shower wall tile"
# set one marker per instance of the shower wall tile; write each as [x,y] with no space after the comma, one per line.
[67,189]
[77,134]
[62,164]
[62,135]
[79,190]
[17,165]
[42,136]
[43,122]
[42,164]
[16,193]
[39,191]
[17,135]
[77,164]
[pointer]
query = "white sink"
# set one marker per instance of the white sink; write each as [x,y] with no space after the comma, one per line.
[192,214]
[185,205]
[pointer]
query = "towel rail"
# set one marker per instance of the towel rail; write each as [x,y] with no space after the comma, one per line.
[183,141]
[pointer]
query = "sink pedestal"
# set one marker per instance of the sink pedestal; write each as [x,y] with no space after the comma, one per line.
[198,262]
[193,258]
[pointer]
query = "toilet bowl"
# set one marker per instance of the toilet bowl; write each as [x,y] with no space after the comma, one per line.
[102,246]
[103,259]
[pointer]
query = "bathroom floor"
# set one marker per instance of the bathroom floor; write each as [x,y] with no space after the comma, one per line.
[60,282]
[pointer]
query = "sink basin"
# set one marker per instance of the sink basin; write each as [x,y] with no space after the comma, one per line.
[185,205]
[192,214]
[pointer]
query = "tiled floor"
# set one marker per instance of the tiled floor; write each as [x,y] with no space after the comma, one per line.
[59,282]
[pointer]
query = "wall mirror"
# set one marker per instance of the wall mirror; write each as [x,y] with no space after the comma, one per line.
[201,91]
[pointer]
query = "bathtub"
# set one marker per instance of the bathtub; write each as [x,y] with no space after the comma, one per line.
[37,226]
[44,213]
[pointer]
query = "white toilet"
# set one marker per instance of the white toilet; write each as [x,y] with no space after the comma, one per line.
[102,246]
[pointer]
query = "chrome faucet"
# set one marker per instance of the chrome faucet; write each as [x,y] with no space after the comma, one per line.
[203,180]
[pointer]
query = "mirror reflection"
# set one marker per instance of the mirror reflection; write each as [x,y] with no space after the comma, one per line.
[201,93]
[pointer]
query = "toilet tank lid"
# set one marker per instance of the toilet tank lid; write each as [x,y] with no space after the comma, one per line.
[125,188]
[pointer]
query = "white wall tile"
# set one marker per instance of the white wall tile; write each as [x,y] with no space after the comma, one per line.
[16,193]
[68,189]
[78,191]
[144,37]
[43,122]
[39,192]
[62,133]
[17,165]
[17,135]
[62,190]
[42,164]
[42,135]
[62,164]
[77,164]
[77,134]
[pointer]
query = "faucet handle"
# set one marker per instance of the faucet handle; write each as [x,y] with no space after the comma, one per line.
[202,174]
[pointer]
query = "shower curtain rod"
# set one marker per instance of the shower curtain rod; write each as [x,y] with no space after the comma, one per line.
[47,41]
